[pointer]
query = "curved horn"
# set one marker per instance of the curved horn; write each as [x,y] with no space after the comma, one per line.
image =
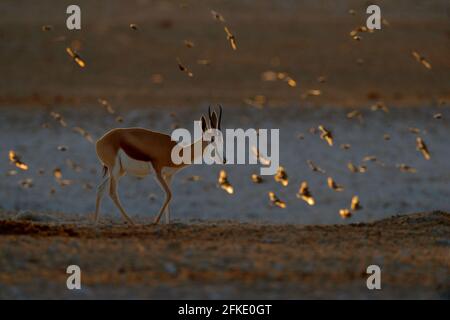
[220,117]
[209,113]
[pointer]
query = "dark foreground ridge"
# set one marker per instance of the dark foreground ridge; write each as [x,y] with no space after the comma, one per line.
[221,260]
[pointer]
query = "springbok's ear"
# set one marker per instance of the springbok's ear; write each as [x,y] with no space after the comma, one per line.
[214,119]
[204,126]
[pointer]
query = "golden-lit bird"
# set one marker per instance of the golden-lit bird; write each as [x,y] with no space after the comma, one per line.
[257,178]
[333,185]
[276,201]
[26,183]
[355,204]
[326,135]
[231,38]
[15,159]
[437,116]
[311,93]
[57,173]
[314,167]
[286,78]
[204,62]
[345,213]
[355,114]
[58,177]
[345,146]
[421,59]
[10,173]
[224,183]
[304,194]
[217,16]
[356,169]
[133,26]
[369,158]
[74,166]
[281,176]
[405,168]
[314,92]
[105,104]
[189,44]
[321,79]
[269,76]
[47,27]
[84,133]
[193,178]
[184,69]
[263,160]
[422,147]
[58,117]
[257,101]
[379,106]
[76,58]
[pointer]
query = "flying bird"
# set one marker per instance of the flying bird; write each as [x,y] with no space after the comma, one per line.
[355,204]
[276,201]
[15,159]
[422,147]
[217,16]
[257,178]
[281,176]
[76,58]
[184,69]
[333,185]
[326,135]
[314,167]
[304,194]
[224,183]
[231,38]
[421,59]
[345,213]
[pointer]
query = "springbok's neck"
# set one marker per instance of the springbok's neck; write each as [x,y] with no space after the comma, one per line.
[196,149]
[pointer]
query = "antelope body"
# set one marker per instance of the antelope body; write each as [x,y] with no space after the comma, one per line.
[140,152]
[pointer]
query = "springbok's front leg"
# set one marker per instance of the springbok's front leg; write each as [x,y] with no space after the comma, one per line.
[166,188]
[168,179]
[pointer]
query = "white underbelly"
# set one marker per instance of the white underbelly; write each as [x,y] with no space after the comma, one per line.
[134,167]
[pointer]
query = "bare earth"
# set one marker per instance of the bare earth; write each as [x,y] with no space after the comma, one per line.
[225,259]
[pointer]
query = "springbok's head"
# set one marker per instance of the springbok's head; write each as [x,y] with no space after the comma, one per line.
[213,126]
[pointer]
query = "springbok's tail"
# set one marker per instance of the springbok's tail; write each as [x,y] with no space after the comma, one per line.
[105,170]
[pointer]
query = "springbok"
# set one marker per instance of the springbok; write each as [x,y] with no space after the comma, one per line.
[140,152]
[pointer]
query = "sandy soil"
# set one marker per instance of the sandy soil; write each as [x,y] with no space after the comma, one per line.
[225,259]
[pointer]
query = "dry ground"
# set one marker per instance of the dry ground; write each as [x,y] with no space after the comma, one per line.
[226,259]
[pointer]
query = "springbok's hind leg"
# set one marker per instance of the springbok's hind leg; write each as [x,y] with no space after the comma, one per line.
[100,193]
[166,188]
[115,198]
